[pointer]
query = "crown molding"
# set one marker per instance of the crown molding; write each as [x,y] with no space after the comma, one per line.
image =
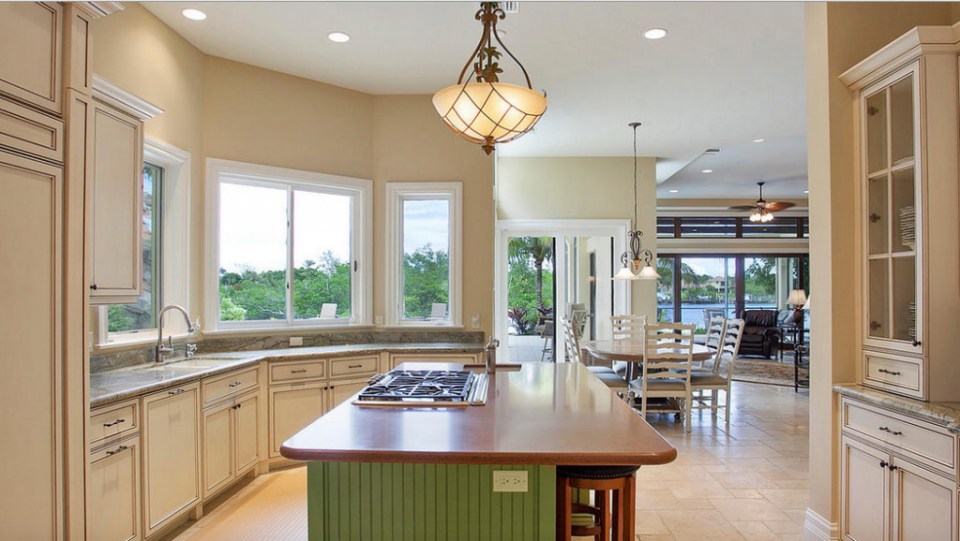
[112,94]
[100,9]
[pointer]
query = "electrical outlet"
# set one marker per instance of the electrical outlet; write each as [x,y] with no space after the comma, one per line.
[378,321]
[475,321]
[296,341]
[509,481]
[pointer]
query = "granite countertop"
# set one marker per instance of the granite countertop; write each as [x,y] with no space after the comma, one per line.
[941,413]
[539,413]
[114,385]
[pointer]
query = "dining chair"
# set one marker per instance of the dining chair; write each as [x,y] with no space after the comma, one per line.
[716,330]
[704,381]
[328,310]
[628,327]
[573,353]
[667,365]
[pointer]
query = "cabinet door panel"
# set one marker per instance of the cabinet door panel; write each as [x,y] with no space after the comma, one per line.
[293,407]
[343,390]
[114,483]
[171,454]
[865,487]
[30,330]
[116,209]
[30,52]
[217,459]
[247,424]
[925,505]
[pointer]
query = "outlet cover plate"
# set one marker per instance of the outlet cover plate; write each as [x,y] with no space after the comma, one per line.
[510,481]
[296,340]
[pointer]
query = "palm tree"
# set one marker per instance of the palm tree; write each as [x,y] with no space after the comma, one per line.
[540,249]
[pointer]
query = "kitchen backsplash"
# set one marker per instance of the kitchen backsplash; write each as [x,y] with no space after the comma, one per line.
[122,359]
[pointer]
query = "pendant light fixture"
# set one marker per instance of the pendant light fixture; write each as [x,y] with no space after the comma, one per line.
[637,258]
[487,111]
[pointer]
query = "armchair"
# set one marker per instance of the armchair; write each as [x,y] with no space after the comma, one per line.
[761,336]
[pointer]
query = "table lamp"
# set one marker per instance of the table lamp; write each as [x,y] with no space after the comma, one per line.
[797,299]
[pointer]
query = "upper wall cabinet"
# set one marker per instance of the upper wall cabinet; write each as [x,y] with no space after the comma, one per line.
[30,72]
[115,194]
[907,109]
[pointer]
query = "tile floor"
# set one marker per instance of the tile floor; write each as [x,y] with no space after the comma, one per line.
[748,483]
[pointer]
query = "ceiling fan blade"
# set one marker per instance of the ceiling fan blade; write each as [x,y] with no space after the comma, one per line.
[744,207]
[778,205]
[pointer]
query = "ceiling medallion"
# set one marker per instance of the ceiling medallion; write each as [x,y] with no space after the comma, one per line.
[487,111]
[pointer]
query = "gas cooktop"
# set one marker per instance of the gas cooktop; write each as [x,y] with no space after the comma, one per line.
[433,388]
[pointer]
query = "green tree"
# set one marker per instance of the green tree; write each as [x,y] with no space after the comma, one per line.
[426,280]
[539,249]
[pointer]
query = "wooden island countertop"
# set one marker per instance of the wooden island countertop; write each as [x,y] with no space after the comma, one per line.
[546,414]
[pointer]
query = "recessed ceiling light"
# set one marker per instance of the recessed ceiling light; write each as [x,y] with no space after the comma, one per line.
[674,191]
[338,37]
[707,171]
[194,14]
[655,33]
[758,140]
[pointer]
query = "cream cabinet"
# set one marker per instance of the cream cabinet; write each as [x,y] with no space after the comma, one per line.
[396,359]
[31,53]
[114,491]
[341,391]
[898,476]
[292,407]
[171,454]
[907,96]
[231,432]
[117,203]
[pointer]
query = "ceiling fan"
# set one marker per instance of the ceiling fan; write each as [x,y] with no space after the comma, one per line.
[763,210]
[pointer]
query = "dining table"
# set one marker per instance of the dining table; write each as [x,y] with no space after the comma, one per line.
[631,352]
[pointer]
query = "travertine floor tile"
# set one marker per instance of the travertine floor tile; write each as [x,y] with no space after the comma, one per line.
[745,510]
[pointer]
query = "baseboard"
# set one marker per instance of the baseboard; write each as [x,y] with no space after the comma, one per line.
[817,528]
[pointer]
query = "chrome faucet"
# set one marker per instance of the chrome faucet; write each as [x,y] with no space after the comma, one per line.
[490,351]
[163,350]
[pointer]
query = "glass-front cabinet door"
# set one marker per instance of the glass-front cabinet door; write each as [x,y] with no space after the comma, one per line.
[892,225]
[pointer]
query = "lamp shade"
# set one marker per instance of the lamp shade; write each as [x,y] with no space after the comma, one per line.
[625,274]
[806,305]
[797,297]
[489,113]
[648,273]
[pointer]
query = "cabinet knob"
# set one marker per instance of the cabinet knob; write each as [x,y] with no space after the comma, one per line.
[884,464]
[916,343]
[93,287]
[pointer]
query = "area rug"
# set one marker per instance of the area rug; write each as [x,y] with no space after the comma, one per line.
[768,371]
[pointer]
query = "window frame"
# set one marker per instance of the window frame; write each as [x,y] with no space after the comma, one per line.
[396,193]
[174,249]
[361,241]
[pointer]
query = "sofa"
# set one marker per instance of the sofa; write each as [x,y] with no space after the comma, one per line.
[761,335]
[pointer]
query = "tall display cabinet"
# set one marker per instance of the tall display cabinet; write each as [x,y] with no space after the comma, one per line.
[907,108]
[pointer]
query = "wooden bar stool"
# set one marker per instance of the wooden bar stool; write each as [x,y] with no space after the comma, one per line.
[614,490]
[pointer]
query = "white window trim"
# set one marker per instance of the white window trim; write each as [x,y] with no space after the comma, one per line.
[175,249]
[393,236]
[254,174]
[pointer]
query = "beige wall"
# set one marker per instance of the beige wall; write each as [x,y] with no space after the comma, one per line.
[412,144]
[583,188]
[223,109]
[135,51]
[838,36]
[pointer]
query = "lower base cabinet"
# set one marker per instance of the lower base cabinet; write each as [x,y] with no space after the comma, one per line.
[230,441]
[114,484]
[341,391]
[292,407]
[171,454]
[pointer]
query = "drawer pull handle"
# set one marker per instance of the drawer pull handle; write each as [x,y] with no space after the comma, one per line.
[893,432]
[178,391]
[118,421]
[236,384]
[890,372]
[354,366]
[301,371]
[120,449]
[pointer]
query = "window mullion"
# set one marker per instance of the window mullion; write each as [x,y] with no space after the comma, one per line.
[290,211]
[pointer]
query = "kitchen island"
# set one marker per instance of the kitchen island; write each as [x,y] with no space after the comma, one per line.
[426,473]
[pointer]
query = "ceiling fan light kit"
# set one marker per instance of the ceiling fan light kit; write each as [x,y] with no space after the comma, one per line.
[762,211]
[487,111]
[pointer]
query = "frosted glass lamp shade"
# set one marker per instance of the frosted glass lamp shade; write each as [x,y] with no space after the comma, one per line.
[489,113]
[797,297]
[625,274]
[648,273]
[806,305]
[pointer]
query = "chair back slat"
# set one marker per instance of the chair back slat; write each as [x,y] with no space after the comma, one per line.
[627,327]
[571,341]
[715,330]
[731,344]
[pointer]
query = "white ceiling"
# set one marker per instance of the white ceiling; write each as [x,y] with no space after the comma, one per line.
[726,74]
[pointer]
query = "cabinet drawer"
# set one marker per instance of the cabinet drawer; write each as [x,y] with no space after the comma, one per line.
[397,359]
[114,420]
[230,384]
[916,439]
[896,374]
[353,366]
[29,131]
[299,370]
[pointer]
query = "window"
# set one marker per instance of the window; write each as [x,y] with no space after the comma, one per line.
[423,253]
[687,227]
[288,247]
[142,315]
[166,251]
